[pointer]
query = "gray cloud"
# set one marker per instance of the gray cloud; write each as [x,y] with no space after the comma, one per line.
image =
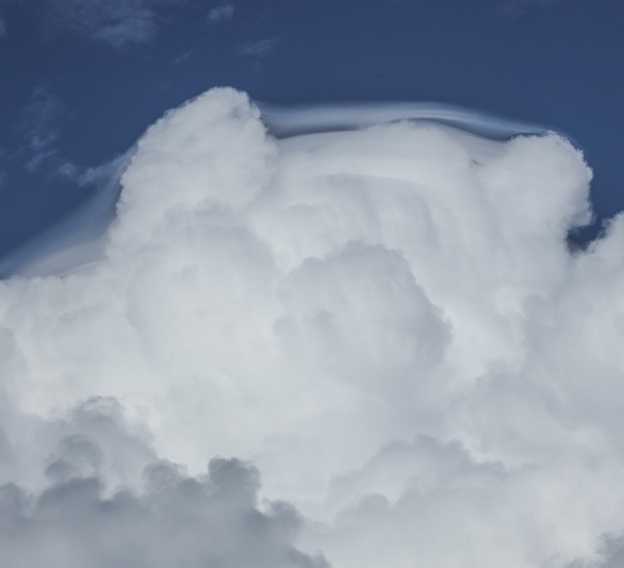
[196,522]
[612,553]
[82,515]
[94,438]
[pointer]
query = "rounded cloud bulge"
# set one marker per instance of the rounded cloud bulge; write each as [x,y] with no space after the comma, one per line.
[386,321]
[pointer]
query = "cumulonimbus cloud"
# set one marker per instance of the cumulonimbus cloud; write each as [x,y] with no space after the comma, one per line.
[387,321]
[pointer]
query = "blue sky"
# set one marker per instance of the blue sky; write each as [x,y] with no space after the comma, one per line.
[80,80]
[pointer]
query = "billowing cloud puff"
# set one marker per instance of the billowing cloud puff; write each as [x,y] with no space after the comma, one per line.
[76,520]
[387,321]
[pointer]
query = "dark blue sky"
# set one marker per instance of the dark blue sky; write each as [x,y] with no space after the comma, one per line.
[81,79]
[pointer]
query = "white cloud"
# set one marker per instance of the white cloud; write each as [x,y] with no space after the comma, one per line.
[386,321]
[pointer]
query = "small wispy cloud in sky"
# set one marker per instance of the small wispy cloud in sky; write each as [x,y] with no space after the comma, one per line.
[183,57]
[118,23]
[517,8]
[40,126]
[222,13]
[138,28]
[260,48]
